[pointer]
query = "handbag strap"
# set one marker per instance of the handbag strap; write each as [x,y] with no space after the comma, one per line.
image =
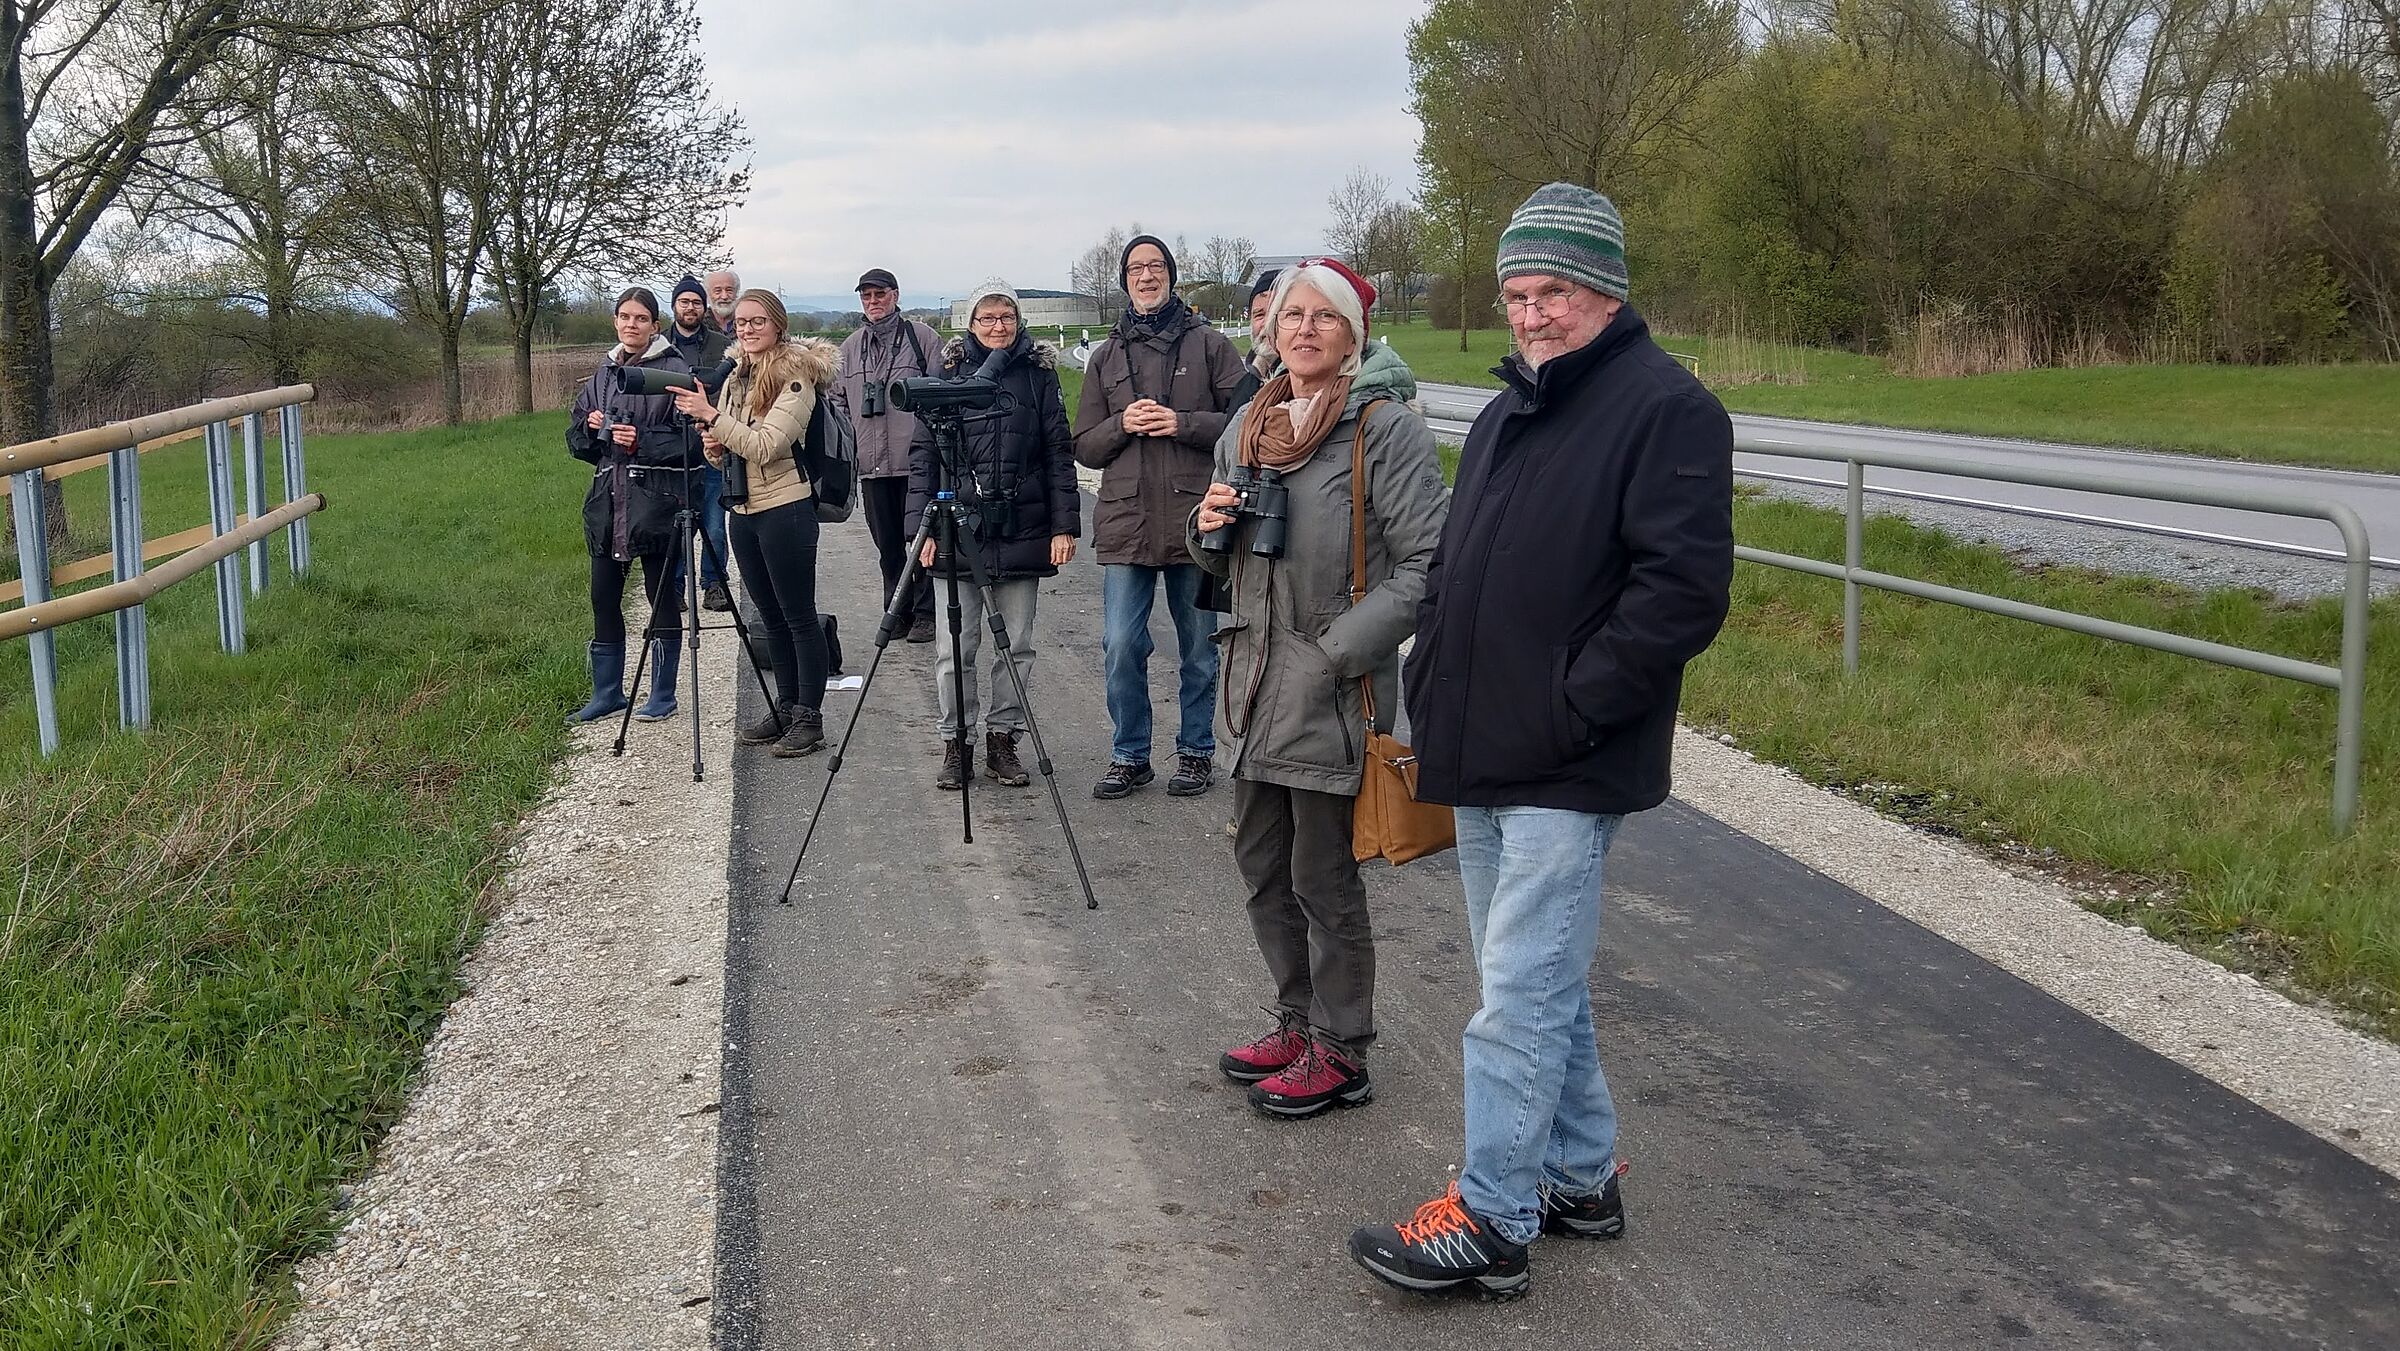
[1358,540]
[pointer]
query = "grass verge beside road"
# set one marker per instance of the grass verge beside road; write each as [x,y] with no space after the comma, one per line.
[2338,417]
[226,940]
[2188,798]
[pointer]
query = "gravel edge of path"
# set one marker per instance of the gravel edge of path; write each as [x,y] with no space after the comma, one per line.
[552,1183]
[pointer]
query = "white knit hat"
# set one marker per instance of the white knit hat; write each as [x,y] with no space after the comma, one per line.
[991,288]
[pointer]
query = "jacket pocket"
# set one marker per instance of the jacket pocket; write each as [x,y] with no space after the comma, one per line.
[651,498]
[1566,727]
[596,513]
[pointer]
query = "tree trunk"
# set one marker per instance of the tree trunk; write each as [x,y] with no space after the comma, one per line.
[524,362]
[28,377]
[454,395]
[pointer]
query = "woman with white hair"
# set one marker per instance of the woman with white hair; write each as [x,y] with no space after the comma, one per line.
[1300,655]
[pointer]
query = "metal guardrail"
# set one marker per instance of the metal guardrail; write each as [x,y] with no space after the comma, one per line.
[2348,679]
[119,445]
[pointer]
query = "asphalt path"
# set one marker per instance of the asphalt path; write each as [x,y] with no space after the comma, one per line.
[962,1110]
[2375,497]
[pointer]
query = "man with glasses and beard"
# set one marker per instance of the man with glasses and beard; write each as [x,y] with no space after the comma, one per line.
[1156,395]
[885,349]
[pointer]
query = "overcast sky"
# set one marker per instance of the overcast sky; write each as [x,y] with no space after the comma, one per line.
[951,142]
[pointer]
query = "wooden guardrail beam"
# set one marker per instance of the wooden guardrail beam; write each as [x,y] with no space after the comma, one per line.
[116,596]
[134,431]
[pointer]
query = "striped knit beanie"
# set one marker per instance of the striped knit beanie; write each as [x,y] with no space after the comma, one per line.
[1567,231]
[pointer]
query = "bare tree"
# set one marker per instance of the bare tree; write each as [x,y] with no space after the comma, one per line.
[1355,204]
[1396,250]
[1095,270]
[90,92]
[264,187]
[593,174]
[423,130]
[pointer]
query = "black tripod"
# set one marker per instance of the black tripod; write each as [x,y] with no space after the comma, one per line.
[945,514]
[696,545]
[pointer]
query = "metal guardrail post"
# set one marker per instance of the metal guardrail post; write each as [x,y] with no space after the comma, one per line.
[295,485]
[254,485]
[2349,728]
[1854,510]
[231,623]
[125,552]
[33,566]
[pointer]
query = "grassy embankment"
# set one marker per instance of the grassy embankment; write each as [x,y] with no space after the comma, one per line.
[224,942]
[2337,416]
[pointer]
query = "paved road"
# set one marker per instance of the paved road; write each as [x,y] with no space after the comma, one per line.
[960,1110]
[2376,497]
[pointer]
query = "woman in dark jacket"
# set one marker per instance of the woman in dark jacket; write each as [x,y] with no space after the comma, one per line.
[642,457]
[1027,514]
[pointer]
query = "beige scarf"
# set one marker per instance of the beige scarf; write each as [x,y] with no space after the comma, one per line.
[1268,437]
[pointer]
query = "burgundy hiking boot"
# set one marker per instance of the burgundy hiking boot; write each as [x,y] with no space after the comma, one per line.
[1444,1247]
[1255,1060]
[1000,760]
[1318,1080]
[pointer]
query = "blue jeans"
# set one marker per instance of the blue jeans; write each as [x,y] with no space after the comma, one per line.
[1538,1108]
[1126,592]
[712,524]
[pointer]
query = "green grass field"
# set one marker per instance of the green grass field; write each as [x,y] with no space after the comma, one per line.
[2210,789]
[224,942]
[2345,417]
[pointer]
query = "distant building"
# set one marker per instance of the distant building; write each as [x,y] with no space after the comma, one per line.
[1045,309]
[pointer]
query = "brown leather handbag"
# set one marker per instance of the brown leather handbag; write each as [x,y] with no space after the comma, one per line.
[1388,821]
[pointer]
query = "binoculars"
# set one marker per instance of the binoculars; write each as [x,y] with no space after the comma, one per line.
[1262,498]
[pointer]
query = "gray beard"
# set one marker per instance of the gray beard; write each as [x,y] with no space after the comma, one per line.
[721,311]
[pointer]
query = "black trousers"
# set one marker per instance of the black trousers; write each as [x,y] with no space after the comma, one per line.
[777,551]
[887,512]
[660,577]
[1308,907]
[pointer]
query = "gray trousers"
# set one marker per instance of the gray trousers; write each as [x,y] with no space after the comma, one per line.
[1015,599]
[1308,907]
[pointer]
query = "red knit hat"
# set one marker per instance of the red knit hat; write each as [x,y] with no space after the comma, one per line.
[1365,288]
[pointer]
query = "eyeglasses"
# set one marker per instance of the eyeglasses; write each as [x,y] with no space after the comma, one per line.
[1145,269]
[1310,319]
[758,321]
[1552,301]
[993,320]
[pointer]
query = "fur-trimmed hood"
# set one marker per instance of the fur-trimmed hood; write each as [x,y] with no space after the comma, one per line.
[1044,354]
[820,360]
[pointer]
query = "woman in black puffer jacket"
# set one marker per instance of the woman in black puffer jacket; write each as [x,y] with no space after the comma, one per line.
[643,459]
[1028,515]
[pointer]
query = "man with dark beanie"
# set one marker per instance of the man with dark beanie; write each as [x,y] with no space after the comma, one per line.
[1260,366]
[703,345]
[1156,395]
[1587,558]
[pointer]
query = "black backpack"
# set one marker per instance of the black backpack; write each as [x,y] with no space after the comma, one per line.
[829,456]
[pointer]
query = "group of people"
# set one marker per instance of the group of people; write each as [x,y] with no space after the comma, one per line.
[1554,596]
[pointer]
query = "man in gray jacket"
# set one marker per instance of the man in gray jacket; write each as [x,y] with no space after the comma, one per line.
[886,348]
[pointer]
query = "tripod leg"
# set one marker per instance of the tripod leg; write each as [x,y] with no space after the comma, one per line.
[641,663]
[749,649]
[958,678]
[884,633]
[691,622]
[1033,726]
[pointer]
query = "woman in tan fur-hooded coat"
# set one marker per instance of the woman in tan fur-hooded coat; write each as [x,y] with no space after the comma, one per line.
[760,418]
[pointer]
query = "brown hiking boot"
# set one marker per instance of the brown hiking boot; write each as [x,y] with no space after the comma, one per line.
[957,763]
[1000,760]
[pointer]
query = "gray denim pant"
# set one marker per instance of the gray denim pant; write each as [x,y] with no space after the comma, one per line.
[1308,907]
[1015,599]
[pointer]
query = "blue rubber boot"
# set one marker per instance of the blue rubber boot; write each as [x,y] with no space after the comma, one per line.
[666,654]
[608,684]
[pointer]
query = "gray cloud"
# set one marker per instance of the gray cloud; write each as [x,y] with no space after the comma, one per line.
[953,142]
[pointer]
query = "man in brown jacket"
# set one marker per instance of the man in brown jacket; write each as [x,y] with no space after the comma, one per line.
[887,348]
[1156,396]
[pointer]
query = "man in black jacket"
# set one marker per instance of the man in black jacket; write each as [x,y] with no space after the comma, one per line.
[703,346]
[1587,558]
